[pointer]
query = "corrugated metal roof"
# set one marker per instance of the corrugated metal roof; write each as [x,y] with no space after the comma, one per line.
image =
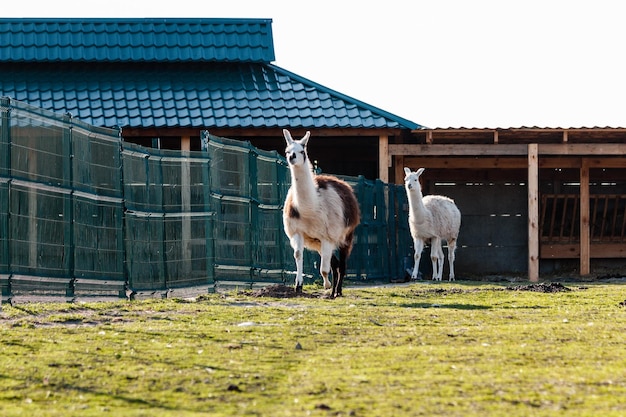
[125,40]
[192,73]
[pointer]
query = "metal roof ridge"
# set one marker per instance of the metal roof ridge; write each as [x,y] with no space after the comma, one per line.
[402,121]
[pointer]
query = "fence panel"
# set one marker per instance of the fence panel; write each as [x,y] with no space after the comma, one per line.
[170,221]
[4,225]
[5,149]
[248,190]
[400,240]
[40,145]
[96,160]
[41,239]
[98,245]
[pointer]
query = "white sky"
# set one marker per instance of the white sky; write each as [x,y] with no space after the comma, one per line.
[439,63]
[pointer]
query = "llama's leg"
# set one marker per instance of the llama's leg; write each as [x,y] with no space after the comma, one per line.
[297,243]
[340,272]
[440,260]
[326,252]
[451,257]
[435,257]
[336,270]
[418,244]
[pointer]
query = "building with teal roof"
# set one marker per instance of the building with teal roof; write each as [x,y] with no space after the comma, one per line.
[163,81]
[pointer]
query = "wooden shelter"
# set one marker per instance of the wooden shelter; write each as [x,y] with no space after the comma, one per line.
[575,180]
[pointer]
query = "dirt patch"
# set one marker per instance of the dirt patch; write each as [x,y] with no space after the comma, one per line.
[543,287]
[281,291]
[446,291]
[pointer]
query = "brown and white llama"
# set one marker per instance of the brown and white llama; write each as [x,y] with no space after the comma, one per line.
[321,213]
[432,218]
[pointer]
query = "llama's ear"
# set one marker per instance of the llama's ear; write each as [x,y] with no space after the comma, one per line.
[305,139]
[287,136]
[407,171]
[420,171]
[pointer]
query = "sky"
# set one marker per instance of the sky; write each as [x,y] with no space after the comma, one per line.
[438,63]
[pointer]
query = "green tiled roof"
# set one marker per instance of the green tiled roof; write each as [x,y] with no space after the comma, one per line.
[197,73]
[136,40]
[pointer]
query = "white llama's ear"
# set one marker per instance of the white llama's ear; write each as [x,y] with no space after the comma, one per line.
[305,139]
[407,171]
[420,171]
[287,136]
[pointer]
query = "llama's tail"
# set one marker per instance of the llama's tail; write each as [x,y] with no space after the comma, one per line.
[347,246]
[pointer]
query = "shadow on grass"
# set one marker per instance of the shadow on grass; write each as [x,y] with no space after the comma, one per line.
[450,306]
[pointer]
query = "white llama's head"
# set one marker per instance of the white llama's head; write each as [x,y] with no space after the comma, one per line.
[412,179]
[296,149]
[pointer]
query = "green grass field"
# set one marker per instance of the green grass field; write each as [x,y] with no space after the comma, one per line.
[422,349]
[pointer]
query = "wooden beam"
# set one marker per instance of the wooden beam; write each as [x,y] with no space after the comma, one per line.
[533,213]
[459,150]
[384,160]
[607,162]
[583,149]
[466,163]
[572,250]
[509,163]
[557,149]
[584,218]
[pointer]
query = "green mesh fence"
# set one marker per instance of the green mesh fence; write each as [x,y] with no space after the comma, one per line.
[61,206]
[169,220]
[247,189]
[84,215]
[4,237]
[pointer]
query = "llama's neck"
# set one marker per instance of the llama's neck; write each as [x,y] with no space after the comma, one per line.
[303,186]
[416,205]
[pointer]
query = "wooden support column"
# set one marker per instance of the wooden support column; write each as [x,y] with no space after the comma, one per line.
[185,143]
[383,158]
[398,173]
[584,218]
[533,212]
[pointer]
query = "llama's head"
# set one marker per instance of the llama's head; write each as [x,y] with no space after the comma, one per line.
[296,149]
[412,179]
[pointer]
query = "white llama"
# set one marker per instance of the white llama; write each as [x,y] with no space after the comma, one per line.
[435,218]
[320,213]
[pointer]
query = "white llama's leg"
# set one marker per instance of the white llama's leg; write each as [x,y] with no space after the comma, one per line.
[326,253]
[440,260]
[436,257]
[418,244]
[297,243]
[451,257]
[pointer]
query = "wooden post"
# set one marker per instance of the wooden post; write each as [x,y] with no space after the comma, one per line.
[533,212]
[383,158]
[398,174]
[584,218]
[185,143]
